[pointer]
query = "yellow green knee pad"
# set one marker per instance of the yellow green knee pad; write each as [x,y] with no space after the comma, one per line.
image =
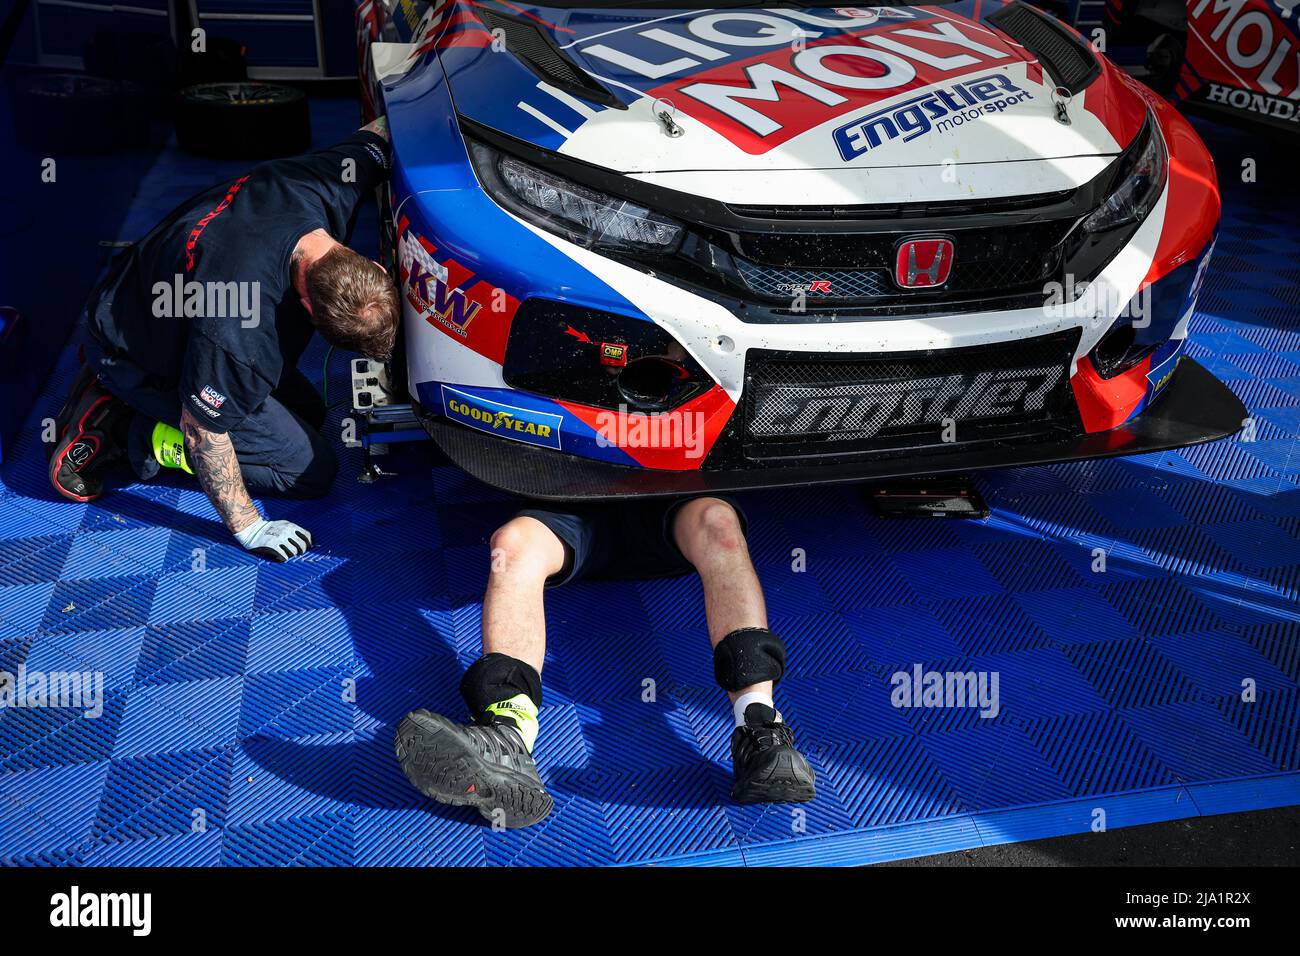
[169,447]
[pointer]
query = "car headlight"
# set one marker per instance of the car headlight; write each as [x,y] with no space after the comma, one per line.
[579,214]
[1138,185]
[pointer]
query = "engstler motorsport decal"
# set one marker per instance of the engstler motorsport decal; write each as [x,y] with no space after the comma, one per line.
[785,410]
[507,421]
[943,108]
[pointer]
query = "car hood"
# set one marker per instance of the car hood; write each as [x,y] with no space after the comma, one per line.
[770,92]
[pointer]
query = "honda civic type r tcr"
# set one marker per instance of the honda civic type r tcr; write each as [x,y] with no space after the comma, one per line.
[671,250]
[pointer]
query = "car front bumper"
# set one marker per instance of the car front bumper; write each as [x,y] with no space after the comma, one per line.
[1195,407]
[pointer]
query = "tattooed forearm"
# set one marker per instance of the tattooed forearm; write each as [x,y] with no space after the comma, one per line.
[378,125]
[212,458]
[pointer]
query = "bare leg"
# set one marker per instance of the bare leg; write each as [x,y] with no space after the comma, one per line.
[709,534]
[768,768]
[488,764]
[524,554]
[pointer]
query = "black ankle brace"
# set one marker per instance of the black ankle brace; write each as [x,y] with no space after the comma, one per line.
[748,656]
[497,677]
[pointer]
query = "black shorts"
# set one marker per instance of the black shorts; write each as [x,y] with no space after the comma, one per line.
[616,541]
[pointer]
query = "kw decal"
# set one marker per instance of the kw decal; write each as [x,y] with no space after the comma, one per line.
[427,288]
[428,292]
[451,298]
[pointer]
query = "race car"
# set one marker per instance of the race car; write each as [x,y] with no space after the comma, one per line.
[655,250]
[1237,60]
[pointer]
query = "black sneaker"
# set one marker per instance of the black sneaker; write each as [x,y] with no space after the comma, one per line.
[88,432]
[768,768]
[487,767]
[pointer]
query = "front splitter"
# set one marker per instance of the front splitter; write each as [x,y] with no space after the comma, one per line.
[1194,408]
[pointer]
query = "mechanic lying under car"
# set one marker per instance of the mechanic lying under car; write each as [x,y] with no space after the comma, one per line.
[195,333]
[489,764]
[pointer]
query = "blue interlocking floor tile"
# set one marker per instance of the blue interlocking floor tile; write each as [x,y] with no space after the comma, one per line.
[1051,685]
[276,779]
[112,553]
[1193,743]
[184,792]
[36,737]
[1141,615]
[192,651]
[33,560]
[994,764]
[1098,753]
[22,607]
[112,654]
[199,595]
[1271,722]
[164,718]
[1276,641]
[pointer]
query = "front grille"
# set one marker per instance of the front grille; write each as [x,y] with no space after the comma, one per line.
[773,282]
[797,405]
[856,268]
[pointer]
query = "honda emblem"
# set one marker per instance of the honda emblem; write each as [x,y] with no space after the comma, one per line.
[923,263]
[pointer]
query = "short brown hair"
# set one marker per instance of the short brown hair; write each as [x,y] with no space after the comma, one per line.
[354,303]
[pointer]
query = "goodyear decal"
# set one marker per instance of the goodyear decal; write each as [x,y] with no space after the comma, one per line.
[507,421]
[1161,375]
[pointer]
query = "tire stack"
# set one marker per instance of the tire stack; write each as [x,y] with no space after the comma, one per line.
[60,113]
[217,111]
[245,119]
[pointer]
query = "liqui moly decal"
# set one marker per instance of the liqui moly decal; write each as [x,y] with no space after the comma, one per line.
[1246,43]
[942,108]
[761,78]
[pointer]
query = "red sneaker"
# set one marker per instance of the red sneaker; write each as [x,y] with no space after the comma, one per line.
[86,445]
